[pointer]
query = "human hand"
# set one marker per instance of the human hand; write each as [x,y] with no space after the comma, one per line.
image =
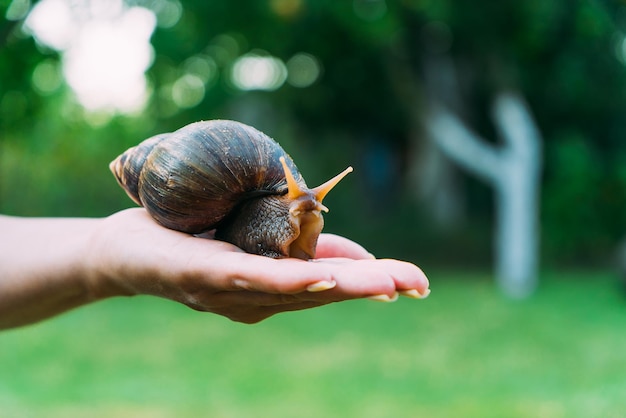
[130,255]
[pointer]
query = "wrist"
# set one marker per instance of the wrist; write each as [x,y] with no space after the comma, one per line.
[100,267]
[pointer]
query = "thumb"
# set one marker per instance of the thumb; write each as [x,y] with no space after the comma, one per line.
[331,245]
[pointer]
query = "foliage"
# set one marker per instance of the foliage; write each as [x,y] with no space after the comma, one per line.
[465,351]
[566,58]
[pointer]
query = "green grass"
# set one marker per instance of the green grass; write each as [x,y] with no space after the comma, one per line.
[464,352]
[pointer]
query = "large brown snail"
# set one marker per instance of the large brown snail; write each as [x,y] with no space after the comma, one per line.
[229,177]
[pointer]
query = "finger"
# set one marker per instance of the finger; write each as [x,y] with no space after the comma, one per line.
[330,245]
[242,271]
[406,276]
[365,278]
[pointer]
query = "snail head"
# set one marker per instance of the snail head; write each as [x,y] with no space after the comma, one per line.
[305,212]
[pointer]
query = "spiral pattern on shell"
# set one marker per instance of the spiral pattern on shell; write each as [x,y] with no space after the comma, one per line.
[192,179]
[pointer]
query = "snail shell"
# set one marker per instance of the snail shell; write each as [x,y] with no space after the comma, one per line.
[227,176]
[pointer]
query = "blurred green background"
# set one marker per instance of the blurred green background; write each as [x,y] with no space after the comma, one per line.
[337,83]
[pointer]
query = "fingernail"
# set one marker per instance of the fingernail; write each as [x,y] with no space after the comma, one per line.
[415,294]
[372,256]
[411,293]
[384,298]
[321,286]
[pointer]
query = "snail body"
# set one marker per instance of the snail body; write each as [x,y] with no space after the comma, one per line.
[229,177]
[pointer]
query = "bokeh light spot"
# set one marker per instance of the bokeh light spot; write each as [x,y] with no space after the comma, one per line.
[51,24]
[224,48]
[188,91]
[168,12]
[106,66]
[303,70]
[47,77]
[202,66]
[105,48]
[17,10]
[258,72]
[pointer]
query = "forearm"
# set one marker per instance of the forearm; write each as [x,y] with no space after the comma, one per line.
[42,268]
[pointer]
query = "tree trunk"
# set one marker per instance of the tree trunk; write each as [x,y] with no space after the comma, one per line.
[517,189]
[513,171]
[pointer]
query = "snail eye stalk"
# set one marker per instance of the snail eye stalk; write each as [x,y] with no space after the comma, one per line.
[294,190]
[322,190]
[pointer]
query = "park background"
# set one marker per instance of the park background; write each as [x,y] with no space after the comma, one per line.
[433,103]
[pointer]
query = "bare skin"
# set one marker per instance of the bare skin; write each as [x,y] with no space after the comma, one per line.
[51,265]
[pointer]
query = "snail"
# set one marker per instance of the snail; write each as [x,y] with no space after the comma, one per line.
[229,177]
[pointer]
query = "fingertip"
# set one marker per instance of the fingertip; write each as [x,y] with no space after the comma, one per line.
[408,277]
[415,294]
[384,297]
